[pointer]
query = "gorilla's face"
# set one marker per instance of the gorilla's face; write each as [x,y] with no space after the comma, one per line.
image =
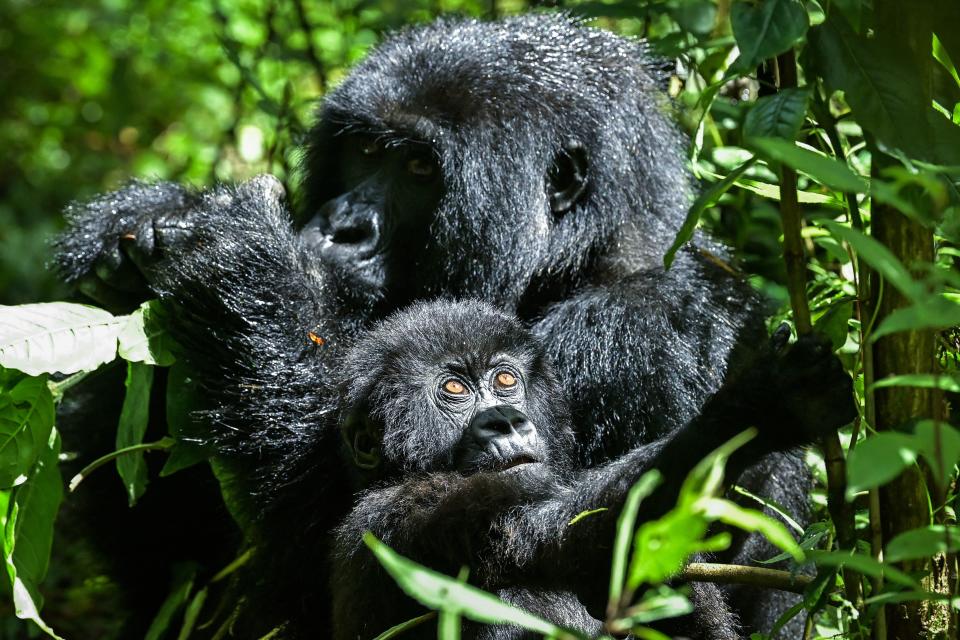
[452,386]
[376,229]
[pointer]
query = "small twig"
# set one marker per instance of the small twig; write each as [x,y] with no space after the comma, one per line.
[160,445]
[742,574]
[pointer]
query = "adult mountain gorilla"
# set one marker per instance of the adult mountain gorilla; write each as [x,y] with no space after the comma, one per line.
[529,162]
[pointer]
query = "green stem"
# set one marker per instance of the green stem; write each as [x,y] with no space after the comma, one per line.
[160,445]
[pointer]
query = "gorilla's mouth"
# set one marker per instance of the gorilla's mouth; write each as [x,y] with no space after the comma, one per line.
[517,461]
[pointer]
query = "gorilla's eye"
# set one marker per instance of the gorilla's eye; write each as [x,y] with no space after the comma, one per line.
[505,380]
[421,166]
[455,387]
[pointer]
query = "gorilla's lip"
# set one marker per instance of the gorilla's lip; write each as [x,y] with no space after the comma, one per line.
[518,461]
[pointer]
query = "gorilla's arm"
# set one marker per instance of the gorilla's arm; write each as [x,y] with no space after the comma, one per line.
[247,301]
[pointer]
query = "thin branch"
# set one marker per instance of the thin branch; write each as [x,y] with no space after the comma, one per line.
[741,574]
[160,445]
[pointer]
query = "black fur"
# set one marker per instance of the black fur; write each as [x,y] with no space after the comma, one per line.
[557,184]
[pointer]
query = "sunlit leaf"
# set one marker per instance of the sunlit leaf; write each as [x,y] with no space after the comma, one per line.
[142,338]
[57,337]
[28,513]
[879,257]
[827,171]
[923,543]
[939,444]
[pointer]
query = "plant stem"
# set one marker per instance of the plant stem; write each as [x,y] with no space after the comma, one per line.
[160,445]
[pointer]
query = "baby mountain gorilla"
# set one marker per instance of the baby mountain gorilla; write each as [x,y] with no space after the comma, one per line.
[452,415]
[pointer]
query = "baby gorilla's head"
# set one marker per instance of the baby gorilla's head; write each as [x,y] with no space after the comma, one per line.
[452,386]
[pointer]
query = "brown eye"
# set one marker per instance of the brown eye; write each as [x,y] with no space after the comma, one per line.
[506,379]
[421,166]
[455,387]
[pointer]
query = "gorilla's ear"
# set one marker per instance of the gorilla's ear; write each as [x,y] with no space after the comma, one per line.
[362,438]
[567,179]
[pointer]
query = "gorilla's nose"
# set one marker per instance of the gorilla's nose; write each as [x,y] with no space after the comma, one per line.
[500,421]
[346,228]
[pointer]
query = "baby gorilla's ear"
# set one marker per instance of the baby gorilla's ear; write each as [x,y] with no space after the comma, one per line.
[363,439]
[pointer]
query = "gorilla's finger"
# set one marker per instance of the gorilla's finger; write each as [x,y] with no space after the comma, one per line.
[119,274]
[112,299]
[780,337]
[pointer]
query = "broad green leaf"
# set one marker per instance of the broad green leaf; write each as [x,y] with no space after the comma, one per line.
[26,420]
[626,525]
[879,257]
[862,564]
[883,90]
[923,543]
[440,592]
[777,116]
[939,444]
[929,312]
[706,199]
[56,337]
[143,337]
[183,577]
[133,425]
[766,30]
[28,513]
[827,171]
[183,398]
[878,460]
[923,380]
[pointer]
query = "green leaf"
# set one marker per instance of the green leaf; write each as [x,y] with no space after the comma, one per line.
[706,199]
[766,30]
[878,460]
[750,520]
[929,312]
[192,613]
[26,420]
[883,89]
[399,629]
[659,603]
[923,380]
[183,398]
[862,564]
[183,577]
[57,337]
[923,543]
[626,525]
[28,514]
[879,257]
[143,338]
[834,323]
[777,116]
[827,171]
[939,444]
[443,593]
[133,425]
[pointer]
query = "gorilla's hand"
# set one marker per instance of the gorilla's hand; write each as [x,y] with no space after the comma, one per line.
[811,392]
[112,241]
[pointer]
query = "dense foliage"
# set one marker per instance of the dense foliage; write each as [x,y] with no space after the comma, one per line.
[826,136]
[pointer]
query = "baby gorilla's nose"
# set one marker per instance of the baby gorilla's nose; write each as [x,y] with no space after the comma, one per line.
[499,422]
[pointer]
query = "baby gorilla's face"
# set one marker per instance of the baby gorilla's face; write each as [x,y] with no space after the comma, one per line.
[453,386]
[486,405]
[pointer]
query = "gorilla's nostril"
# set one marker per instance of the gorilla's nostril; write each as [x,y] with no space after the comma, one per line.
[352,235]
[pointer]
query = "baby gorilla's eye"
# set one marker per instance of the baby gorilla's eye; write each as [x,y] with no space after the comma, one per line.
[455,387]
[421,166]
[505,380]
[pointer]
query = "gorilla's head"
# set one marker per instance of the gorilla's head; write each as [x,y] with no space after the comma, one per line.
[494,160]
[452,386]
